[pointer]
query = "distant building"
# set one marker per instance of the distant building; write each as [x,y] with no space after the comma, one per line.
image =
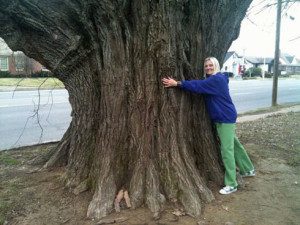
[266,64]
[5,54]
[17,62]
[289,64]
[235,64]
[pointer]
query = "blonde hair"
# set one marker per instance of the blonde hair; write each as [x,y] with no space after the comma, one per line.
[215,63]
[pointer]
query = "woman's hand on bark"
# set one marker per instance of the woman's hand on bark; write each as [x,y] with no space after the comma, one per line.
[169,82]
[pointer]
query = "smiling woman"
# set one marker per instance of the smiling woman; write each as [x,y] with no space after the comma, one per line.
[223,114]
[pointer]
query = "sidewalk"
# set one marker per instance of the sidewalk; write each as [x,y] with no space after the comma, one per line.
[247,118]
[14,88]
[21,88]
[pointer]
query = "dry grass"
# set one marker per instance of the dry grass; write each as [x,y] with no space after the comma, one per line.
[32,82]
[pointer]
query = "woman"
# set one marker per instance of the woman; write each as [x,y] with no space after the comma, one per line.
[223,114]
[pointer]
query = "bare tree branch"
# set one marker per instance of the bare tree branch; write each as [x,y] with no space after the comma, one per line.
[35,114]
[294,39]
[17,85]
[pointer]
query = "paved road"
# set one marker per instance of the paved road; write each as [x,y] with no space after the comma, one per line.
[19,122]
[19,126]
[253,94]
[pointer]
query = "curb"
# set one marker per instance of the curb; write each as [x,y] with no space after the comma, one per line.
[248,118]
[13,88]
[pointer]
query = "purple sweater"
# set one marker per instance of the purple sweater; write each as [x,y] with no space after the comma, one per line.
[216,94]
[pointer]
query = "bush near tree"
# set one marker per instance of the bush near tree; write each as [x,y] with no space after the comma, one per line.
[268,75]
[253,72]
[6,74]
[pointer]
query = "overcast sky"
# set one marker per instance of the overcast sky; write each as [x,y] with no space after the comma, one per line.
[257,35]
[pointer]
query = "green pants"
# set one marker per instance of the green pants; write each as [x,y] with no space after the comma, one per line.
[233,153]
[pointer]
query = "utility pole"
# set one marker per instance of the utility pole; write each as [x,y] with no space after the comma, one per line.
[277,53]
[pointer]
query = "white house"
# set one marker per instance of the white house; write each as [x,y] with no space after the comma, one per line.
[235,64]
[5,53]
[289,64]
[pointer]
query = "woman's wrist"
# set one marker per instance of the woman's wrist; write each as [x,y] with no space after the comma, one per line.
[178,83]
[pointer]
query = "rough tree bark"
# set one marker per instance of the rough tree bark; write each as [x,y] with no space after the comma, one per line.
[126,129]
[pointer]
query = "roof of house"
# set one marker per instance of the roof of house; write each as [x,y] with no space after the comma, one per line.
[229,54]
[287,58]
[4,49]
[296,61]
[259,60]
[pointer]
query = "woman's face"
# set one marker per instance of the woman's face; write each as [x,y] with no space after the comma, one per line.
[209,67]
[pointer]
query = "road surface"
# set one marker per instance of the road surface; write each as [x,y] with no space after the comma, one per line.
[19,119]
[254,94]
[20,125]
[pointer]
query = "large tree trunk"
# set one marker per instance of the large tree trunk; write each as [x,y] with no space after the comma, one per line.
[126,129]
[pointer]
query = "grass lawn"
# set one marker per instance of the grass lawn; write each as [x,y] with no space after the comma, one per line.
[32,195]
[32,82]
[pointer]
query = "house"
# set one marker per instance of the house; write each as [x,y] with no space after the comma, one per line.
[17,62]
[235,64]
[231,63]
[5,54]
[265,63]
[289,64]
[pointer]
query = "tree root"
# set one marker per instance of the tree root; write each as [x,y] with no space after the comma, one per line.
[59,155]
[102,202]
[83,186]
[43,158]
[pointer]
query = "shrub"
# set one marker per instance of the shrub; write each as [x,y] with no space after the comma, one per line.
[253,72]
[4,74]
[268,75]
[42,74]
